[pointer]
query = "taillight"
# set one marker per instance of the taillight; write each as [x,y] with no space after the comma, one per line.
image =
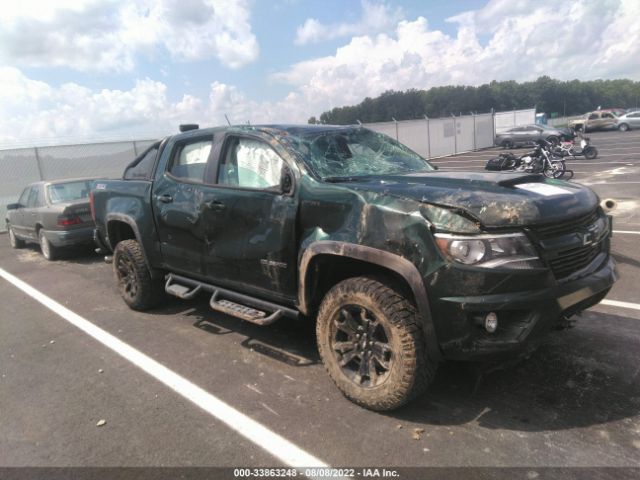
[92,206]
[68,221]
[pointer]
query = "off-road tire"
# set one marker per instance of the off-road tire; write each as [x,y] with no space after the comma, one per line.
[48,251]
[411,370]
[14,241]
[138,289]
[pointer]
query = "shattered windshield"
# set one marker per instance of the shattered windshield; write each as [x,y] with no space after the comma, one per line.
[357,152]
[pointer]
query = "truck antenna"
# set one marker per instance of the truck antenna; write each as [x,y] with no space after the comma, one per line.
[225,116]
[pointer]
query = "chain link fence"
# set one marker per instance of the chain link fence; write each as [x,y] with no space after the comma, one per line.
[22,166]
[441,137]
[430,137]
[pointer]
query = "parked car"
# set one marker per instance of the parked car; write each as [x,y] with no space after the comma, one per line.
[53,214]
[530,134]
[598,120]
[616,111]
[628,121]
[398,264]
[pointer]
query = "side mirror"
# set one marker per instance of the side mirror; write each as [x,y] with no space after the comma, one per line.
[286,183]
[13,206]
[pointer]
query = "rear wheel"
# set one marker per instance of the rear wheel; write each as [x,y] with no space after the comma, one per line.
[623,127]
[138,289]
[553,140]
[555,169]
[371,344]
[48,251]
[14,241]
[590,152]
[507,144]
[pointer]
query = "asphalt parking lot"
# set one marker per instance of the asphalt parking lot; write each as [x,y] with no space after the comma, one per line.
[574,403]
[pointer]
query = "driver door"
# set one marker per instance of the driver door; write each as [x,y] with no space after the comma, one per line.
[16,217]
[250,221]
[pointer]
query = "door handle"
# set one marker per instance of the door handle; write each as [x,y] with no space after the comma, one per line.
[215,205]
[166,198]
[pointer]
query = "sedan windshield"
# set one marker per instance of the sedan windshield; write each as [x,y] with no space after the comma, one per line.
[68,192]
[358,152]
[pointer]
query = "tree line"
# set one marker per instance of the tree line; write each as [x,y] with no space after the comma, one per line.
[555,97]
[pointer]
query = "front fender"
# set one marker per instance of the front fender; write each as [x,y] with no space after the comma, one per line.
[400,265]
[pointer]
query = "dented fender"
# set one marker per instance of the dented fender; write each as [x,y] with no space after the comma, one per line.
[401,266]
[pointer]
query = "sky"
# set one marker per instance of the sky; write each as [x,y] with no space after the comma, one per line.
[76,70]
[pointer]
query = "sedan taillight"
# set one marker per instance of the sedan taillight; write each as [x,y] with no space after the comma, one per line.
[64,221]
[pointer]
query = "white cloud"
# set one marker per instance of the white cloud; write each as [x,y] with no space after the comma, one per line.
[108,35]
[504,40]
[376,17]
[31,110]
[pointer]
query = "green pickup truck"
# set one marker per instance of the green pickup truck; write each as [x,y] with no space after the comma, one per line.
[398,264]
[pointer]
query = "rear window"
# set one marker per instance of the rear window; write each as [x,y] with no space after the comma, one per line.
[142,168]
[68,192]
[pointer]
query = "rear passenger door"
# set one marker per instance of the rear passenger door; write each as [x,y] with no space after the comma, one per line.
[178,198]
[30,212]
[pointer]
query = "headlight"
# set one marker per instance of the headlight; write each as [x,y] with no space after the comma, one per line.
[512,250]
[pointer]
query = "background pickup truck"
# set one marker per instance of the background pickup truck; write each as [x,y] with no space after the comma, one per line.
[398,264]
[599,120]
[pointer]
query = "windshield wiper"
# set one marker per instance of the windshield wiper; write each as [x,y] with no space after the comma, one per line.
[353,178]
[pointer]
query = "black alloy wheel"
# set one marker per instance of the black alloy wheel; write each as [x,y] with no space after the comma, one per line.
[361,346]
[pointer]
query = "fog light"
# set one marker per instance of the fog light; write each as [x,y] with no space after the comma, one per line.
[491,322]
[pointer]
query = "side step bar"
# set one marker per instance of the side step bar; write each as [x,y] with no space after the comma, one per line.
[232,303]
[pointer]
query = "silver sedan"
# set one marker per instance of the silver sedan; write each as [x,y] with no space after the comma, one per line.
[628,121]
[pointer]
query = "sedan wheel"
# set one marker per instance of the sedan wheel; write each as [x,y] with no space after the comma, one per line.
[623,127]
[48,251]
[14,241]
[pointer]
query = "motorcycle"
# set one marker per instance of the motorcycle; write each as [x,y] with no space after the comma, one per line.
[540,160]
[571,149]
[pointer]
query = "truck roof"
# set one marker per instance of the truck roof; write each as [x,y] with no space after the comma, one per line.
[273,129]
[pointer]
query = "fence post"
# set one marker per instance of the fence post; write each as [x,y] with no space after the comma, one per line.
[455,135]
[428,139]
[474,130]
[135,149]
[493,121]
[514,118]
[396,122]
[35,151]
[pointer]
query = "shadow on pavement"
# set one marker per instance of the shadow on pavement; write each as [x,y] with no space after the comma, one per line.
[580,378]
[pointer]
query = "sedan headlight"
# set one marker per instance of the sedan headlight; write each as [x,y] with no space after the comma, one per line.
[512,250]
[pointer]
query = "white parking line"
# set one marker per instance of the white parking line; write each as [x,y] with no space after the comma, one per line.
[626,231]
[616,303]
[281,448]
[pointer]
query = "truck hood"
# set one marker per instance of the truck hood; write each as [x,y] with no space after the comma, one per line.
[499,199]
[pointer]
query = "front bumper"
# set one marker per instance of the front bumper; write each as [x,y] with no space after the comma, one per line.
[69,238]
[524,317]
